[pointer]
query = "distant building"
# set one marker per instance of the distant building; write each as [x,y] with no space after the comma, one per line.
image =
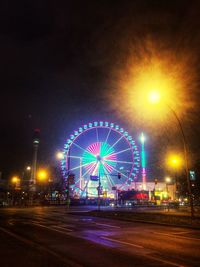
[155,192]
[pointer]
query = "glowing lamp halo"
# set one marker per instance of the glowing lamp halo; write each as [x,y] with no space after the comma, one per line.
[100,149]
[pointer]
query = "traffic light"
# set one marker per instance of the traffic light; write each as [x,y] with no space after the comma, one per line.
[119,175]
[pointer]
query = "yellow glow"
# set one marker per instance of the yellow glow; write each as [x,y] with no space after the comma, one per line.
[152,76]
[15,179]
[167,179]
[42,175]
[174,161]
[153,85]
[154,97]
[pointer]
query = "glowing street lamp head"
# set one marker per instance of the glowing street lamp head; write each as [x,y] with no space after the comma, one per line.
[59,155]
[15,179]
[174,161]
[154,97]
[167,179]
[42,175]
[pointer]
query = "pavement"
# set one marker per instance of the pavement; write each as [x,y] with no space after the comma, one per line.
[51,236]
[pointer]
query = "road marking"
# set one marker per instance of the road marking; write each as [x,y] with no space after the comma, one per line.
[165,261]
[62,228]
[176,235]
[141,247]
[121,242]
[108,225]
[53,229]
[180,233]
[39,247]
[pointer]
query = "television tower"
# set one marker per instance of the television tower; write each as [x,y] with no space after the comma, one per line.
[36,141]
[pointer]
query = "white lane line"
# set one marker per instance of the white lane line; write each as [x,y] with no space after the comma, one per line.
[56,226]
[165,261]
[108,225]
[180,233]
[141,247]
[52,229]
[121,242]
[62,228]
[40,247]
[175,236]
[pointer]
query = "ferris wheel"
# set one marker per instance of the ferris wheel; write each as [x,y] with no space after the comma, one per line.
[100,154]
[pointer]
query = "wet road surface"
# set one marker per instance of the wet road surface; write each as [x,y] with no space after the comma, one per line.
[51,236]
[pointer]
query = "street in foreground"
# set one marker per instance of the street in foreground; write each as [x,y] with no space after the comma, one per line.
[50,236]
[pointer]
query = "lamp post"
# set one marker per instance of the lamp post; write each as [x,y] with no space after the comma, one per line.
[167,181]
[15,180]
[186,162]
[154,98]
[42,179]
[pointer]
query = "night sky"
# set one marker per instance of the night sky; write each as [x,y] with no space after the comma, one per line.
[58,60]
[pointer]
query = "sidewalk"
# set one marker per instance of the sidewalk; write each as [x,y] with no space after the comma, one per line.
[178,218]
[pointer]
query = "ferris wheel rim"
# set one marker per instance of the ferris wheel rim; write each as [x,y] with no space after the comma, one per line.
[111,127]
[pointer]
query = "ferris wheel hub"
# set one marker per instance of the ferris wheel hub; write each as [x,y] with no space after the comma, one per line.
[99,158]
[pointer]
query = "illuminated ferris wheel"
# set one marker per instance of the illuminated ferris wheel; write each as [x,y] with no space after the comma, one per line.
[100,154]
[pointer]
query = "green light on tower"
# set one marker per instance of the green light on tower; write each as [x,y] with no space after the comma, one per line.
[143,162]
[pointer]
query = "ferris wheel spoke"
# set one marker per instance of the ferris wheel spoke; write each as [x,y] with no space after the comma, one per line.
[83,176]
[110,181]
[96,168]
[108,166]
[108,176]
[115,143]
[88,159]
[122,151]
[118,171]
[90,168]
[75,157]
[118,161]
[85,150]
[108,135]
[80,166]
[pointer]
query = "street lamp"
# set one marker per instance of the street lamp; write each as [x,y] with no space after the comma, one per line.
[174,161]
[15,179]
[42,175]
[167,181]
[154,98]
[42,179]
[59,155]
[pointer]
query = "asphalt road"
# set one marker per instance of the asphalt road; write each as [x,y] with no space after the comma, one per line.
[50,236]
